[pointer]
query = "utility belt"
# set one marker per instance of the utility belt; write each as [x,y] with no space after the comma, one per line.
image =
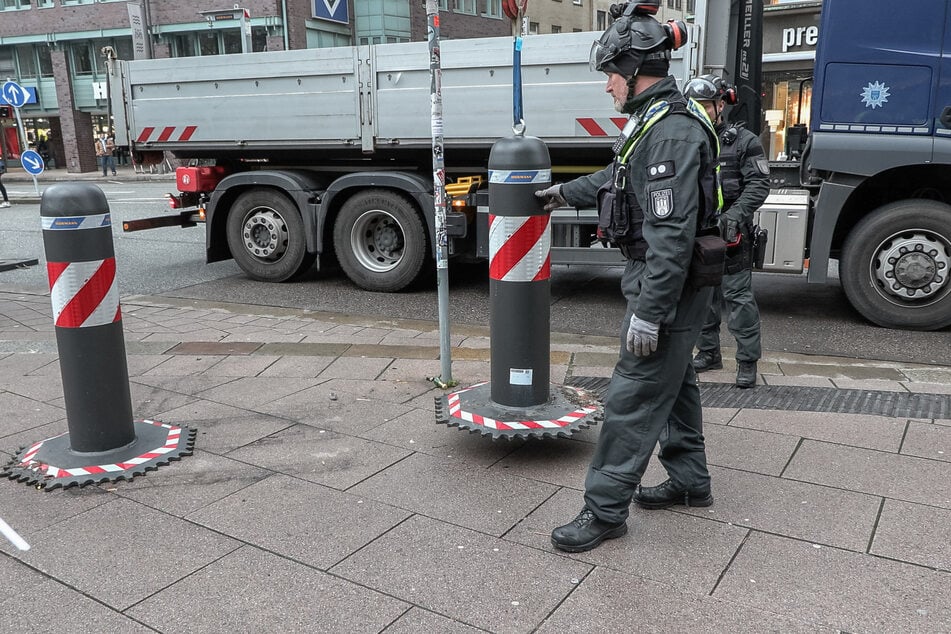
[750,253]
[636,251]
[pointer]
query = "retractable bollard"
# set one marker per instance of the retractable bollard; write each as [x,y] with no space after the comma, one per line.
[519,401]
[103,443]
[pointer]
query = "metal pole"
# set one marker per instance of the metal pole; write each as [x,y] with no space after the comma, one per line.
[439,194]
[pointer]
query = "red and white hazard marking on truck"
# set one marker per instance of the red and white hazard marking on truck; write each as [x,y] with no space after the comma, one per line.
[52,471]
[600,126]
[455,410]
[184,133]
[519,248]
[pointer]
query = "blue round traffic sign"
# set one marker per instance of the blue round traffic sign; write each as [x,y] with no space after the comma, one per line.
[32,162]
[14,94]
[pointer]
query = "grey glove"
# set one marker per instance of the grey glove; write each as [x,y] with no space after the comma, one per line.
[642,337]
[552,197]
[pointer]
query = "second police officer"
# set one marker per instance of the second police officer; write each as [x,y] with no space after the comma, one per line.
[660,190]
[744,175]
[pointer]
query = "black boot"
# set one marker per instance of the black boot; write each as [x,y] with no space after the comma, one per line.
[585,532]
[746,374]
[667,494]
[707,360]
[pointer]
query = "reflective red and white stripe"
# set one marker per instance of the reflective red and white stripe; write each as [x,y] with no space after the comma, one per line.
[84,294]
[519,248]
[168,133]
[171,444]
[455,409]
[609,126]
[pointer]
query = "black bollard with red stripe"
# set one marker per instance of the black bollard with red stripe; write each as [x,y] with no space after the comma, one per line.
[519,401]
[103,442]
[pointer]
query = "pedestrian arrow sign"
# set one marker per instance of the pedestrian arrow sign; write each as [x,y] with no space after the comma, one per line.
[14,94]
[32,162]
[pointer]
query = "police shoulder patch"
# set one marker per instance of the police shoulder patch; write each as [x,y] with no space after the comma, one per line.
[664,169]
[662,202]
[762,166]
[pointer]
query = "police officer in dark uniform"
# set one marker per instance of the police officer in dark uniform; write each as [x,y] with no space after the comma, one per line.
[656,195]
[744,174]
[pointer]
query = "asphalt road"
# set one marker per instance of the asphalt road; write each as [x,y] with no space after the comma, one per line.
[797,317]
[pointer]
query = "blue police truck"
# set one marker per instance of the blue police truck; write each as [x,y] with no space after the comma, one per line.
[878,160]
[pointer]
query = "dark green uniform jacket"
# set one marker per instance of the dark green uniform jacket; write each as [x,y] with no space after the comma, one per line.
[663,175]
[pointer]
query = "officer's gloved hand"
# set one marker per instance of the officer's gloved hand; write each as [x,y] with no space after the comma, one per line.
[729,230]
[552,197]
[642,337]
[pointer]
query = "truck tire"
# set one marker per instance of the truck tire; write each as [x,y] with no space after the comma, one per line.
[896,265]
[266,236]
[380,241]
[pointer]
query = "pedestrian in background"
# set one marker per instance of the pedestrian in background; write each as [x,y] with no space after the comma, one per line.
[744,174]
[105,147]
[3,190]
[659,192]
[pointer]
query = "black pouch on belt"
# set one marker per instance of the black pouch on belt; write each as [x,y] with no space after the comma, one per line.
[708,261]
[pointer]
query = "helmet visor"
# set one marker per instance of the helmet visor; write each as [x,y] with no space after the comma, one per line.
[601,53]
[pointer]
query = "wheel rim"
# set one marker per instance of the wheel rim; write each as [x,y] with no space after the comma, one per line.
[912,267]
[265,234]
[377,241]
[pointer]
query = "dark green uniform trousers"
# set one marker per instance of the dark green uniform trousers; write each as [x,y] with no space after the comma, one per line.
[736,295]
[650,399]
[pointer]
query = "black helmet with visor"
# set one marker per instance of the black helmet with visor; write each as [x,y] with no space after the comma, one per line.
[634,38]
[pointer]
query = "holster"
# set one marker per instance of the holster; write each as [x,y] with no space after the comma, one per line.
[759,239]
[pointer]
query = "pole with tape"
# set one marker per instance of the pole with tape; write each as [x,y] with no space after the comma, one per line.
[103,442]
[519,401]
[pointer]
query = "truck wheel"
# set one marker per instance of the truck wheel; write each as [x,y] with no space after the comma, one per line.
[896,265]
[380,241]
[266,236]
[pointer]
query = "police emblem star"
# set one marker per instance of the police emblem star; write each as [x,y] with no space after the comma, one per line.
[662,202]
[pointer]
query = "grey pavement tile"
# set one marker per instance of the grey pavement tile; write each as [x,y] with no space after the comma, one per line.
[420,621]
[726,375]
[20,413]
[39,388]
[392,391]
[795,509]
[799,381]
[611,601]
[888,475]
[29,510]
[23,363]
[467,576]
[148,401]
[860,430]
[357,368]
[138,364]
[840,370]
[122,552]
[188,484]
[927,441]
[936,375]
[683,551]
[459,493]
[588,370]
[241,366]
[323,457]
[183,365]
[748,449]
[942,421]
[328,408]
[562,462]
[222,428]
[719,415]
[34,603]
[878,385]
[14,442]
[297,367]
[253,334]
[254,591]
[927,388]
[914,533]
[191,384]
[209,348]
[252,392]
[417,430]
[848,591]
[178,335]
[412,370]
[317,525]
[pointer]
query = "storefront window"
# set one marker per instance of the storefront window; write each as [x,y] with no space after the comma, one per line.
[791,95]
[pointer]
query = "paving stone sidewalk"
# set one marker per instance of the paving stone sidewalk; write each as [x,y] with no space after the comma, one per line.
[323,497]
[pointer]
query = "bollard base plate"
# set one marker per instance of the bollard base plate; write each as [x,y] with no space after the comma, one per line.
[51,464]
[568,409]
